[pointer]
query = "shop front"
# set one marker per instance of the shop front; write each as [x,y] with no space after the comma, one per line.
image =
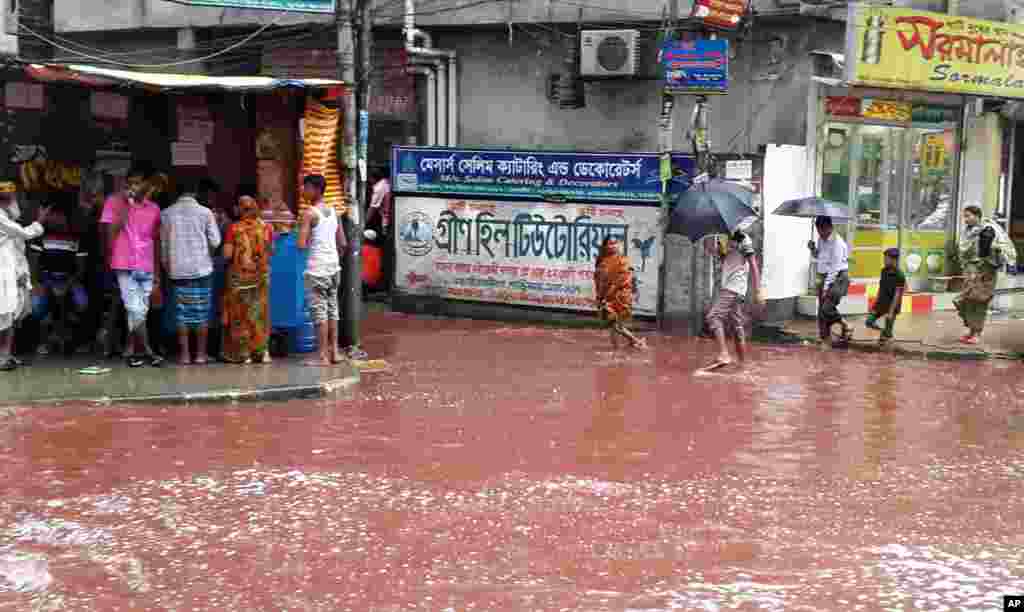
[521,229]
[912,135]
[73,132]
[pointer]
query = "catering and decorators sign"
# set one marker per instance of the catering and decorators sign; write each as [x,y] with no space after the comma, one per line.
[906,49]
[630,177]
[537,254]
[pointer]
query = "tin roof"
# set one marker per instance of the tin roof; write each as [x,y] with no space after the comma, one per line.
[95,76]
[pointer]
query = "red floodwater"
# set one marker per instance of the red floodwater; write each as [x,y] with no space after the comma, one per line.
[503,468]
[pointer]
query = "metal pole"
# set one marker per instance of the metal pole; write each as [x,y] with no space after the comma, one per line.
[355,69]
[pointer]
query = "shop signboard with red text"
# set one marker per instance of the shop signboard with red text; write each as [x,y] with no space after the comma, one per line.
[900,48]
[538,254]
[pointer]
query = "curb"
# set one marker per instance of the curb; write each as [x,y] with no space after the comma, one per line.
[922,353]
[225,396]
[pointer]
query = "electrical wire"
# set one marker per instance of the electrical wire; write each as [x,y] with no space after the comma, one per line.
[212,43]
[197,60]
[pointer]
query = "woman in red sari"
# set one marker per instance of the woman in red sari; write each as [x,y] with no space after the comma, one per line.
[613,288]
[248,247]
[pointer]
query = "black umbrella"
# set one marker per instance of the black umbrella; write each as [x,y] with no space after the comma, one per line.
[715,207]
[813,207]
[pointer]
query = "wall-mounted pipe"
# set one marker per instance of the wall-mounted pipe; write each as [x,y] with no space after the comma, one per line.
[428,72]
[447,75]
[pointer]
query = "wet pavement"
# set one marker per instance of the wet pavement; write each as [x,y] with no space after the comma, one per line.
[936,334]
[50,379]
[495,467]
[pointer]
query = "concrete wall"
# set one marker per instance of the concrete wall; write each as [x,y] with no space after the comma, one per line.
[503,99]
[85,15]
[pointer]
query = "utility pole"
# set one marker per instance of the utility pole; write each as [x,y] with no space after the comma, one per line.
[354,68]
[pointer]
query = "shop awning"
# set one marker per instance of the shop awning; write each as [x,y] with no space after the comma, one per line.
[95,76]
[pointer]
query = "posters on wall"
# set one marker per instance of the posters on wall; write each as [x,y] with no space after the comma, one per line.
[26,96]
[106,105]
[538,254]
[188,154]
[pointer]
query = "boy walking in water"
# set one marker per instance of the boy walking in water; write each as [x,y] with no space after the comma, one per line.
[739,270]
[322,234]
[890,296]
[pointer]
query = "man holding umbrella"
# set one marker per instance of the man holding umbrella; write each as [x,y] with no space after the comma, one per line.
[833,265]
[739,270]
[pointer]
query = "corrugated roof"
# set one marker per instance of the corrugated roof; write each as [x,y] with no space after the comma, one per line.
[94,75]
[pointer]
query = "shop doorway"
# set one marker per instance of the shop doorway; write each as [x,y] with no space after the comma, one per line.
[901,182]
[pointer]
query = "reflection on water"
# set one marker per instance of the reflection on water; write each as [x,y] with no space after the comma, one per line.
[508,468]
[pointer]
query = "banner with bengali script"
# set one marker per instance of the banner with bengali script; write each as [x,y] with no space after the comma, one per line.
[906,49]
[536,254]
[618,177]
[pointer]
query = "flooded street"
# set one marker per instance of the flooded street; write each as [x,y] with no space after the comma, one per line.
[496,467]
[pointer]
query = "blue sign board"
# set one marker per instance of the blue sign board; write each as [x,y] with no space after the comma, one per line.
[532,175]
[696,66]
[295,6]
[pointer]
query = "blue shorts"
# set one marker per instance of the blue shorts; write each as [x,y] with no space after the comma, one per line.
[57,285]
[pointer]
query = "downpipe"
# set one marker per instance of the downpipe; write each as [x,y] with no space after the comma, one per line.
[431,77]
[445,64]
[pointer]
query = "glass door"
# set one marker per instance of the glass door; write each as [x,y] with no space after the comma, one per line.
[877,180]
[930,219]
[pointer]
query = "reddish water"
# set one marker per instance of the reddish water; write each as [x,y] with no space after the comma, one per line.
[499,468]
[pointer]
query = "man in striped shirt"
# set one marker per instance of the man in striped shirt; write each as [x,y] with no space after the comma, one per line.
[61,273]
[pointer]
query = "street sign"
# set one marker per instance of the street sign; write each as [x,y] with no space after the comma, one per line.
[696,66]
[296,6]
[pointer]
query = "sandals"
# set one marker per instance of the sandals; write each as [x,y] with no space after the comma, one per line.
[969,339]
[8,366]
[155,361]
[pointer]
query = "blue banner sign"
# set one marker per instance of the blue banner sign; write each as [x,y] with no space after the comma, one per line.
[295,6]
[532,175]
[696,66]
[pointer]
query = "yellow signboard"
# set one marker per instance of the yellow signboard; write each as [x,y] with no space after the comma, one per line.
[887,110]
[906,49]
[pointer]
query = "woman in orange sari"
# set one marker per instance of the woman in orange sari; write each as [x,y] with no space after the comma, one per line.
[248,247]
[613,288]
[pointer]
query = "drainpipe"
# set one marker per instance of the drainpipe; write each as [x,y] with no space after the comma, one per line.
[953,7]
[447,74]
[431,101]
[442,104]
[453,101]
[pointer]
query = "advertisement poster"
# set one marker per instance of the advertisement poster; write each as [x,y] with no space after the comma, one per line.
[906,49]
[536,254]
[617,177]
[696,66]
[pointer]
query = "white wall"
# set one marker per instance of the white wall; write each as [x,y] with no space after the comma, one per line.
[787,176]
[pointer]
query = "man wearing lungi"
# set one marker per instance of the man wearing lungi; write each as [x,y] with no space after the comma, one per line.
[739,272]
[189,237]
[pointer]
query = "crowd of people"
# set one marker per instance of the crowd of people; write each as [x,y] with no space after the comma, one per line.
[91,273]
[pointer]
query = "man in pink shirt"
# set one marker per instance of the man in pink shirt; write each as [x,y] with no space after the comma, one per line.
[132,223]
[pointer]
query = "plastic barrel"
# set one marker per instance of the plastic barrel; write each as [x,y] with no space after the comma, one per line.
[305,337]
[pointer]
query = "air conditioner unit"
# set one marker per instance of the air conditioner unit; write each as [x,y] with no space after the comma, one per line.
[608,53]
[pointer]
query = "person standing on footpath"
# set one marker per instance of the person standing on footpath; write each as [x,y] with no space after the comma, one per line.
[983,249]
[739,272]
[833,265]
[188,236]
[15,275]
[891,286]
[133,229]
[322,234]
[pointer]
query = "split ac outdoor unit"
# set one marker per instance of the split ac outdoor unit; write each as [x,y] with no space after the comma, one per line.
[608,53]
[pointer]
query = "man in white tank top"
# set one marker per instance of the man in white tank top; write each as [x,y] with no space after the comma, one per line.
[322,234]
